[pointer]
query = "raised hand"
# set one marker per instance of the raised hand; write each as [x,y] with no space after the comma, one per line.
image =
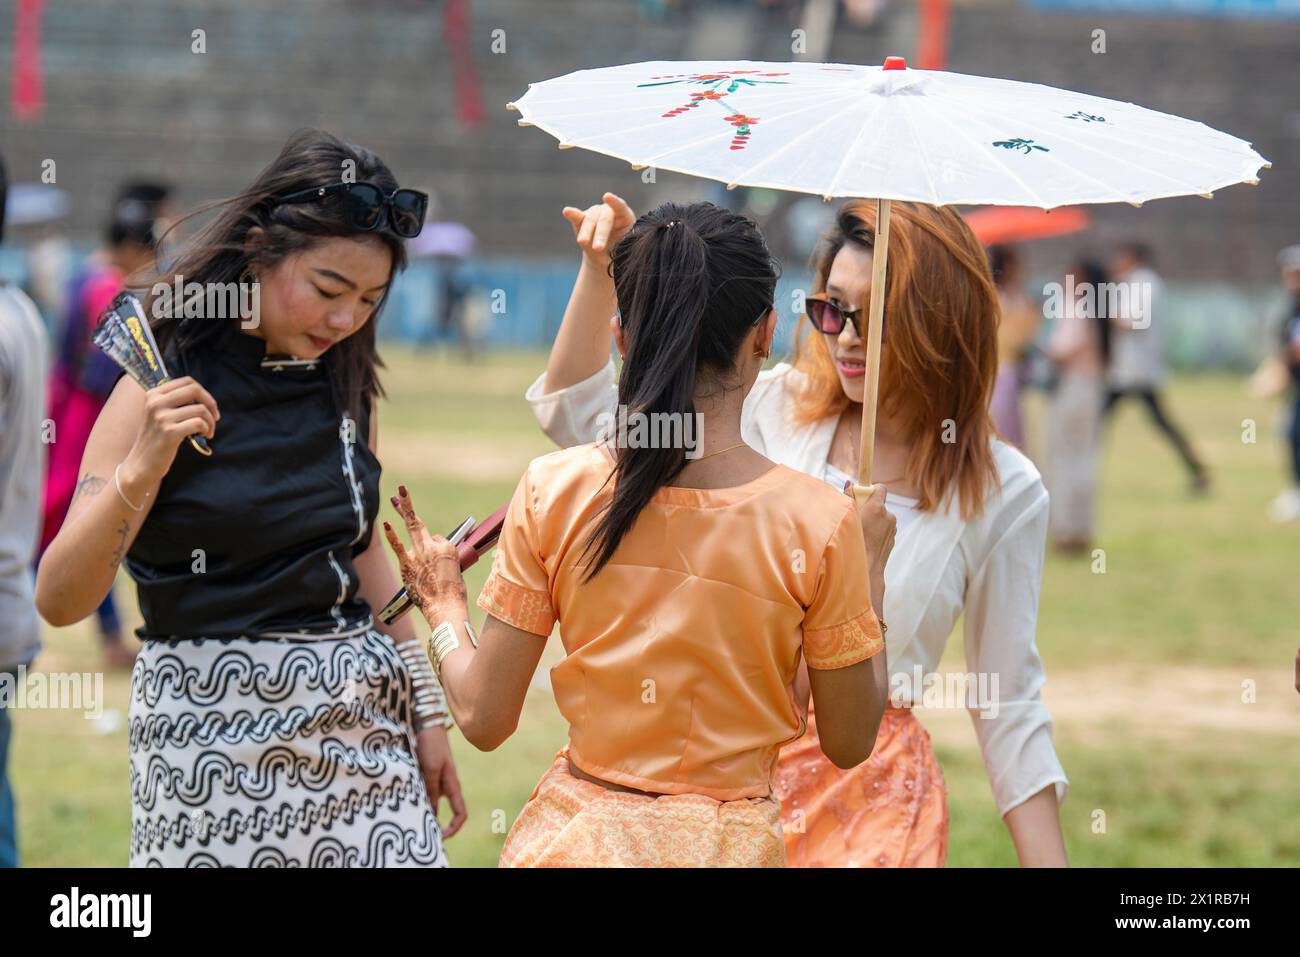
[173,411]
[431,569]
[598,228]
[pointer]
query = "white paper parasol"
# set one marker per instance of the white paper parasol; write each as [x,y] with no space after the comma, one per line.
[886,133]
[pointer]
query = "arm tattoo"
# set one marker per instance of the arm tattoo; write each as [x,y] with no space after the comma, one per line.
[121,545]
[90,485]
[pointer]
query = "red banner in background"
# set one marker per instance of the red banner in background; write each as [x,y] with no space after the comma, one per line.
[932,45]
[28,96]
[456,28]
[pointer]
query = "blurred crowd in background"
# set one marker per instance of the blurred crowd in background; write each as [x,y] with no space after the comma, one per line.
[492,267]
[199,94]
[189,102]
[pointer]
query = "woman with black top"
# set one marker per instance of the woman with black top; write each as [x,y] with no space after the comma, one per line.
[272,721]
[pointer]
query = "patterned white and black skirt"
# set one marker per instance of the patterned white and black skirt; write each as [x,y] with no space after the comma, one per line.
[277,752]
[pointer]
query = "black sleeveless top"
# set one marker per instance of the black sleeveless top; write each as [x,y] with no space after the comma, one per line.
[258,539]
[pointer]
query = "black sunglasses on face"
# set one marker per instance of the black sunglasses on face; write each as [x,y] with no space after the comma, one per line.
[828,317]
[366,206]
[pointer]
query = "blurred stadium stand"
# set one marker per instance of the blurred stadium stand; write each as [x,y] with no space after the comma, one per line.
[419,82]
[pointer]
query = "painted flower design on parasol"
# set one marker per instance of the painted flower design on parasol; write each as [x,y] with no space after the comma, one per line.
[720,85]
[900,135]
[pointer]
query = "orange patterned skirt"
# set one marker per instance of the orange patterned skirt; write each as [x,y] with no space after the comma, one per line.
[889,811]
[569,822]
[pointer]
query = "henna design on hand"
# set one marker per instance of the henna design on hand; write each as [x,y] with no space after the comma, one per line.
[431,569]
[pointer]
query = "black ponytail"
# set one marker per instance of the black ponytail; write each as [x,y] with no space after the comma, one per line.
[691,283]
[1095,273]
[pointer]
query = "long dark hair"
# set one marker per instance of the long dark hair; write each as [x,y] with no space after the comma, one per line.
[218,254]
[691,282]
[1092,271]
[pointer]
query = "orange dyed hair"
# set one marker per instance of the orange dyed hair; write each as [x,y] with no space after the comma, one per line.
[939,355]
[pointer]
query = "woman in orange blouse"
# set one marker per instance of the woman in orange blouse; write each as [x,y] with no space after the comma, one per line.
[688,578]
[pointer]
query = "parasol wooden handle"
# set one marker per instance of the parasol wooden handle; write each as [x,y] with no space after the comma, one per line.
[875,325]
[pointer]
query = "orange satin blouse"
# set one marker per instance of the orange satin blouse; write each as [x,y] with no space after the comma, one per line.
[681,652]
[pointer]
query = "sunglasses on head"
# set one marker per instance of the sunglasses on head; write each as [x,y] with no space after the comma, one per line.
[366,207]
[828,317]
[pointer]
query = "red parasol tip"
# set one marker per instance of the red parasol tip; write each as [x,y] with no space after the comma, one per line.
[894,63]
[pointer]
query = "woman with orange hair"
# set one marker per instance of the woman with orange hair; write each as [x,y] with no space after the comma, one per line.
[971,509]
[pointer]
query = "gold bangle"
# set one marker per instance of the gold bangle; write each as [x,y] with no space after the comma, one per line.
[442,642]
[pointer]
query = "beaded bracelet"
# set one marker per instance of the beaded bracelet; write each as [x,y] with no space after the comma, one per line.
[429,704]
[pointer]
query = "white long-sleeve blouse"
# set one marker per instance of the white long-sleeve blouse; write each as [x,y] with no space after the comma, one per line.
[991,568]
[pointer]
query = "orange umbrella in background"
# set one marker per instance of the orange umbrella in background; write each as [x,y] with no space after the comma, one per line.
[993,225]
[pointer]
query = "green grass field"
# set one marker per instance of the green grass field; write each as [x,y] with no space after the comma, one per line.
[1169,675]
